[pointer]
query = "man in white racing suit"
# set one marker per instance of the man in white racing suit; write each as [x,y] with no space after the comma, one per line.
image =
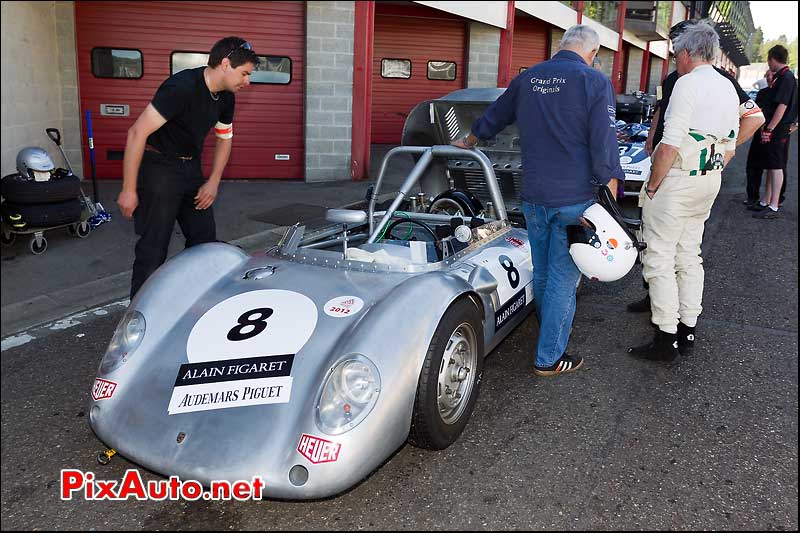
[701,127]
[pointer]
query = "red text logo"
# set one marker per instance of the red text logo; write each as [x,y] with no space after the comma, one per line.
[103,389]
[318,450]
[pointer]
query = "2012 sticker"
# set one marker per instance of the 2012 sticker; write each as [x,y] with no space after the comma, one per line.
[343,306]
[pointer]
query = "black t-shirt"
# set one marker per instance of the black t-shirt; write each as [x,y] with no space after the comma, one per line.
[186,102]
[783,91]
[666,93]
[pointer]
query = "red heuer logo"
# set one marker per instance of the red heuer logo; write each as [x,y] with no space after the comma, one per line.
[318,450]
[516,242]
[103,389]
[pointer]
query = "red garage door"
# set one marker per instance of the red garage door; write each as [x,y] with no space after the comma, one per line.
[531,43]
[418,54]
[149,38]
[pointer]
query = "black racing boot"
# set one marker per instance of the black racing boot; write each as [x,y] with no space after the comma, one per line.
[685,339]
[640,306]
[663,347]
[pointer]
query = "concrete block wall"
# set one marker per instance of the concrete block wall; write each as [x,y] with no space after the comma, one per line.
[556,34]
[70,98]
[635,57]
[484,55]
[38,43]
[329,89]
[656,67]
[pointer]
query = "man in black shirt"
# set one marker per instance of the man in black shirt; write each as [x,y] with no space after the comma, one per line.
[781,111]
[755,165]
[163,150]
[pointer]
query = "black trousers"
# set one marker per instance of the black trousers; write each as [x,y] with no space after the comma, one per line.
[166,188]
[755,169]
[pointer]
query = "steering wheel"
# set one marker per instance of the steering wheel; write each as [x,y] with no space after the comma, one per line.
[424,226]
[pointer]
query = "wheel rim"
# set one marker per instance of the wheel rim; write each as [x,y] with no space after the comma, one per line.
[456,372]
[446,206]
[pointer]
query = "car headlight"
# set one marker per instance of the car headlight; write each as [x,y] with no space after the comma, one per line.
[348,395]
[127,337]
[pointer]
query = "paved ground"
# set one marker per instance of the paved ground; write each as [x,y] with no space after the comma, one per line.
[709,443]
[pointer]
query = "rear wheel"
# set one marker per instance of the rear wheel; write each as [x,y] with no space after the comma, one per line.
[450,379]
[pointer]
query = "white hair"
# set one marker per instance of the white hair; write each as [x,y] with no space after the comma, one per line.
[581,37]
[699,40]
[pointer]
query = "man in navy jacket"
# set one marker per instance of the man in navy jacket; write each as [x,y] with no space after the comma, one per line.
[565,111]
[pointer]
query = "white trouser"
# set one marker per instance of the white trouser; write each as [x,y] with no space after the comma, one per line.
[672,226]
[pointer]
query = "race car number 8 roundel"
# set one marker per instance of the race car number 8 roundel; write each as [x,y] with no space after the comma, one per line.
[253,324]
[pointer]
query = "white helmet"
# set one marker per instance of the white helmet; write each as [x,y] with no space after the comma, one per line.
[35,163]
[607,250]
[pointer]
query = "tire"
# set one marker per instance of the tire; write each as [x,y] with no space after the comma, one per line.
[8,239]
[80,230]
[456,203]
[440,417]
[38,249]
[43,215]
[21,190]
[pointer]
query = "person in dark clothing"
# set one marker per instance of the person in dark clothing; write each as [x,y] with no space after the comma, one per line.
[750,118]
[755,168]
[562,168]
[162,174]
[780,108]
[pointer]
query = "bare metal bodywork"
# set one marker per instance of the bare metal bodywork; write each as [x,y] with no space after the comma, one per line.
[403,303]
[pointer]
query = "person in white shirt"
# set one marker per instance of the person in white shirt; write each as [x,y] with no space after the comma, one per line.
[700,131]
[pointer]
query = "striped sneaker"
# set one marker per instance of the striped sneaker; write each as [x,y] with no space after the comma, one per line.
[567,363]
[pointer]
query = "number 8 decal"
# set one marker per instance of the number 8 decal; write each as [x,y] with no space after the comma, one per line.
[511,271]
[259,324]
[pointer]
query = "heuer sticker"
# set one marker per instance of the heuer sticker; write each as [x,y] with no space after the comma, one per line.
[318,450]
[103,389]
[342,306]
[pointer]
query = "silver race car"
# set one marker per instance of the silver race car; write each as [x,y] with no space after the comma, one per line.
[311,363]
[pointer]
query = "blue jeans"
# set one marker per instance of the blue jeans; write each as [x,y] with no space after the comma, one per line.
[555,276]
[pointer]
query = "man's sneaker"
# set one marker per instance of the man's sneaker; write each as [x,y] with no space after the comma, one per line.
[749,202]
[685,339]
[767,214]
[567,363]
[756,207]
[640,306]
[663,347]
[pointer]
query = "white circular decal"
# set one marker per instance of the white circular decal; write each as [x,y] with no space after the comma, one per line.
[344,306]
[625,159]
[253,324]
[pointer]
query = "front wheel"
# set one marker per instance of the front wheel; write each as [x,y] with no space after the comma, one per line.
[450,379]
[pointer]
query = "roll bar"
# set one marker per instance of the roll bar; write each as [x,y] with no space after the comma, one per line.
[427,153]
